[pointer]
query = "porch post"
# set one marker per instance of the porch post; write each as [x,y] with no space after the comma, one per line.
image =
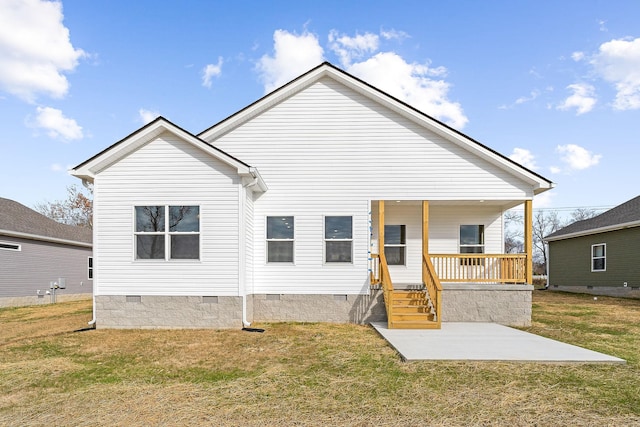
[425,228]
[380,227]
[528,240]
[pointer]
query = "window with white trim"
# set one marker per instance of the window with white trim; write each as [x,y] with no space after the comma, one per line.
[90,268]
[599,257]
[280,239]
[167,232]
[338,239]
[10,246]
[395,244]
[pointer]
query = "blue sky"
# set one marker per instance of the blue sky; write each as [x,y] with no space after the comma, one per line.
[553,84]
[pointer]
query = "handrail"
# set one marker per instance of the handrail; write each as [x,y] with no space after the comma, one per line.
[433,286]
[480,268]
[387,286]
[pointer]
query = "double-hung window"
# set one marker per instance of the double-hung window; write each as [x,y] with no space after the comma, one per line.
[599,257]
[167,232]
[395,244]
[471,242]
[280,236]
[338,239]
[90,268]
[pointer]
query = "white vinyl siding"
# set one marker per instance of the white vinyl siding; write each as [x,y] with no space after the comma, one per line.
[330,151]
[167,171]
[339,143]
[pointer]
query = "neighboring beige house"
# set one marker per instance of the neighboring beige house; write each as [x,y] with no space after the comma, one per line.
[315,203]
[35,251]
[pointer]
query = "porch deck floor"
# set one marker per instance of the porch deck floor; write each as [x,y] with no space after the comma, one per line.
[484,341]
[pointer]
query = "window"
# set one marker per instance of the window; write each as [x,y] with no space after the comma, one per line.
[167,232]
[9,246]
[90,268]
[599,257]
[280,234]
[338,238]
[395,244]
[471,242]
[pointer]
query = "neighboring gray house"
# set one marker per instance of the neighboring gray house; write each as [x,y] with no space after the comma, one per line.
[36,250]
[600,255]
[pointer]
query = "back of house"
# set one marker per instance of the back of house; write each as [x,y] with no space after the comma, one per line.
[284,211]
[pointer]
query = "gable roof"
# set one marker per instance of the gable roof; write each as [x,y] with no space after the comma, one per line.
[88,169]
[328,70]
[17,220]
[622,216]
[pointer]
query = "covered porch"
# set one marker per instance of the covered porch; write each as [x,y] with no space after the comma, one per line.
[438,261]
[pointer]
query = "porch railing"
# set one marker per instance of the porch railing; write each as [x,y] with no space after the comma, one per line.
[480,268]
[433,286]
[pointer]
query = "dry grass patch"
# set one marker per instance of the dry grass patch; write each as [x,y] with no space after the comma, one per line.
[306,375]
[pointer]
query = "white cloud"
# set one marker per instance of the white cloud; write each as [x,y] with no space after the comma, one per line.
[293,55]
[543,200]
[56,167]
[419,85]
[413,84]
[35,49]
[57,125]
[524,157]
[576,157]
[349,48]
[394,35]
[577,56]
[555,169]
[211,71]
[583,98]
[147,116]
[618,62]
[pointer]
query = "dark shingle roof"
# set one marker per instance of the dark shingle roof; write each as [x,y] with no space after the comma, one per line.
[21,219]
[625,213]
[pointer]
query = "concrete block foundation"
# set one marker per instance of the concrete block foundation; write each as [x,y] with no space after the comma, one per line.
[504,304]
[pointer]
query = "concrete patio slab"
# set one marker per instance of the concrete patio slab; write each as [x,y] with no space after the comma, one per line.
[484,341]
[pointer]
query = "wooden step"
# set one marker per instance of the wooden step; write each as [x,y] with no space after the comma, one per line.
[411,308]
[413,324]
[411,316]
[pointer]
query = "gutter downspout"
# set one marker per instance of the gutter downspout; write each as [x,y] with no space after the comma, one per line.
[85,184]
[93,320]
[245,322]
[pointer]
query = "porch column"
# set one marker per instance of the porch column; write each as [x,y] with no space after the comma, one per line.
[425,228]
[380,227]
[528,240]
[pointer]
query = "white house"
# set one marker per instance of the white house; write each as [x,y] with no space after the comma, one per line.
[279,213]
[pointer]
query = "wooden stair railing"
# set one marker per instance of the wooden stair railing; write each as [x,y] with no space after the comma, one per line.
[433,288]
[406,309]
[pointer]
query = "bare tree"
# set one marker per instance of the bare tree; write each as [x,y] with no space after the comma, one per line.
[76,209]
[544,223]
[582,214]
[513,233]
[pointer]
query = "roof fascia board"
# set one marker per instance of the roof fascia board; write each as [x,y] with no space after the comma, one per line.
[29,236]
[595,231]
[95,165]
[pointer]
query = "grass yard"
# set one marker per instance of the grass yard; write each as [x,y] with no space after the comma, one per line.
[308,374]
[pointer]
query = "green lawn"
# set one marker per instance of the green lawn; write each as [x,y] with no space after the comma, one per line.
[308,374]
